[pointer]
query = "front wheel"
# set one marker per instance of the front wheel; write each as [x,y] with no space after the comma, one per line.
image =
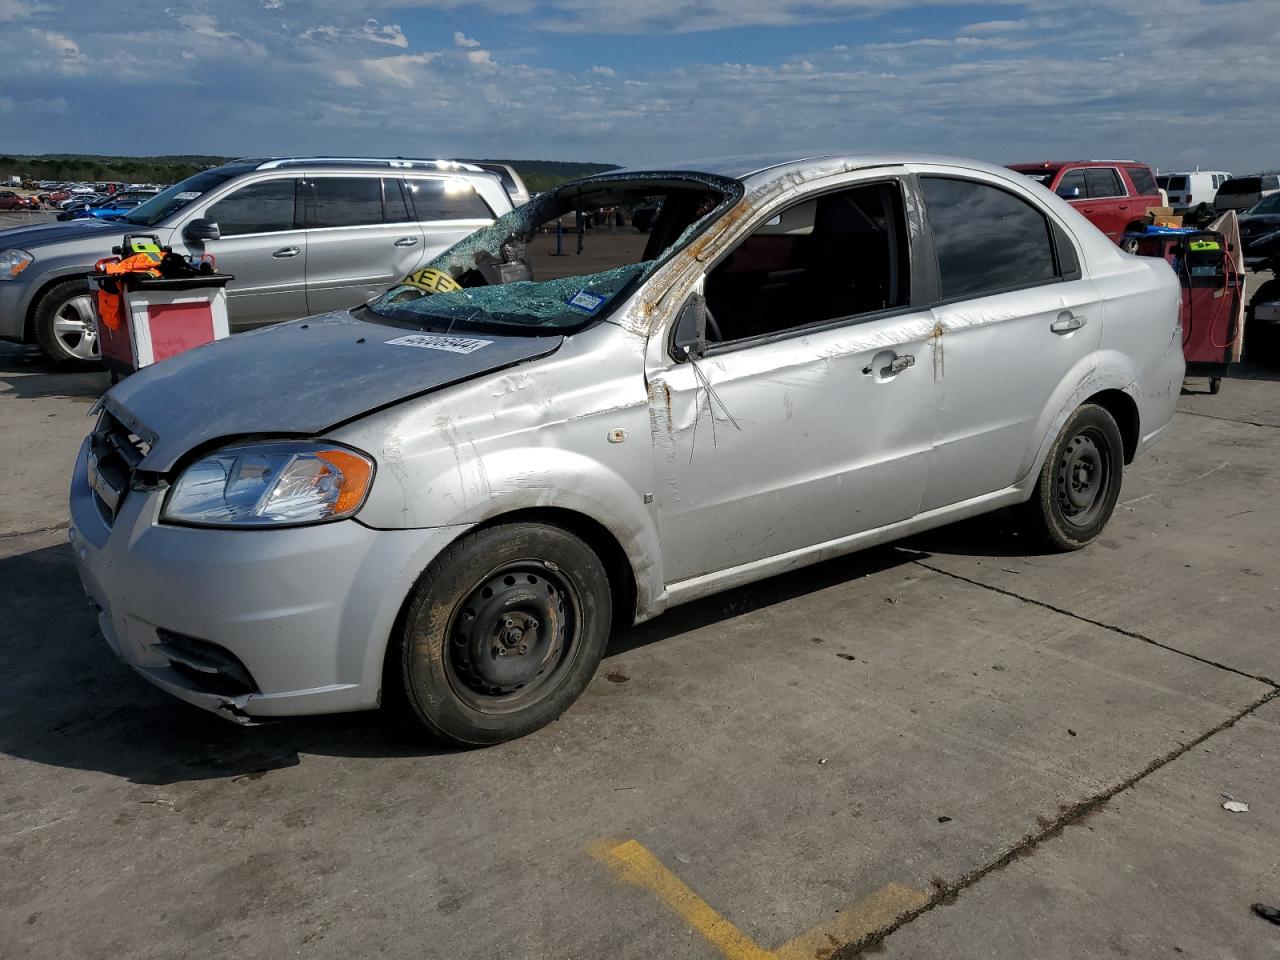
[1079,482]
[501,634]
[64,324]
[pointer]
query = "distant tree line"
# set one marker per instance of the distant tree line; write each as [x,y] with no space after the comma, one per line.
[537,174]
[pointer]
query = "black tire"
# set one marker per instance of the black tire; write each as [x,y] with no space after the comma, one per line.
[53,309]
[1079,482]
[500,635]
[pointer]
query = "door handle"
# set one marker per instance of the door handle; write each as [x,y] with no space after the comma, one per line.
[894,366]
[406,241]
[1066,322]
[284,253]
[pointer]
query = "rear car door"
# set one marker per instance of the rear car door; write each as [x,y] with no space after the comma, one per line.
[447,209]
[1015,318]
[809,418]
[361,238]
[262,244]
[1109,204]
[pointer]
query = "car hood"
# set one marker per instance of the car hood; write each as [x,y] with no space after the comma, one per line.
[42,234]
[299,379]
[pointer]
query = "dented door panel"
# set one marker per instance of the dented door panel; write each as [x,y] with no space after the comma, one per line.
[782,445]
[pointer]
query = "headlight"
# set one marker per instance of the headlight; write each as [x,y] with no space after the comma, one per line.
[13,262]
[271,484]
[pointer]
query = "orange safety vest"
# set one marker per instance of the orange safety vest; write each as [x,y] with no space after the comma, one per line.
[108,302]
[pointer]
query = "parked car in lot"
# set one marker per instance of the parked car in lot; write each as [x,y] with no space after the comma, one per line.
[1192,188]
[1241,193]
[14,201]
[510,178]
[443,500]
[1260,233]
[1114,195]
[299,235]
[113,205]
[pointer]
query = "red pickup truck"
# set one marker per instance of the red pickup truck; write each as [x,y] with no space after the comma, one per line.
[1113,194]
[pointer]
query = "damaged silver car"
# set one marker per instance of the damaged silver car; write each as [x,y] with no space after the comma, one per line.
[444,501]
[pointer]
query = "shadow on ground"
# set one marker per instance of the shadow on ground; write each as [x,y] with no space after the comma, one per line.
[27,374]
[71,704]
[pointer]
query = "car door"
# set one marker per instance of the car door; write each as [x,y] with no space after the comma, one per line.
[261,244]
[360,238]
[1014,321]
[447,209]
[809,417]
[1111,207]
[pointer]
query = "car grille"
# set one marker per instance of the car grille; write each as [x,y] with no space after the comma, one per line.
[114,454]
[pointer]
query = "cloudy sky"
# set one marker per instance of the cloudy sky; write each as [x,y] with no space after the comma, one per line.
[1176,83]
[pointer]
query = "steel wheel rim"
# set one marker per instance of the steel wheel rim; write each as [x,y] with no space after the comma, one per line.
[76,330]
[513,637]
[1084,475]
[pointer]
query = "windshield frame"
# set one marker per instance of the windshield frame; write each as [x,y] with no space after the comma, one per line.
[160,207]
[1273,199]
[536,212]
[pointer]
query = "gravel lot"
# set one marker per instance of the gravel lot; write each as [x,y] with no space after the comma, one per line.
[1000,753]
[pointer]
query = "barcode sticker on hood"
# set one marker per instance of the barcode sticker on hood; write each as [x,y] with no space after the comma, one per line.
[435,342]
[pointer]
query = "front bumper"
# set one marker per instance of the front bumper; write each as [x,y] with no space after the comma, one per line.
[306,610]
[13,308]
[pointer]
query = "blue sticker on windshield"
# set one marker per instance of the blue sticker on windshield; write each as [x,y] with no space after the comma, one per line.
[586,301]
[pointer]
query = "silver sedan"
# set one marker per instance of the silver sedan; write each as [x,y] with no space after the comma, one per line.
[444,501]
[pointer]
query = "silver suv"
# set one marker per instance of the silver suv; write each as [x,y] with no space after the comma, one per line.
[301,236]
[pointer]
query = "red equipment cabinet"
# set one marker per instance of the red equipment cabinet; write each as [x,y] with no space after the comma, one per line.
[1208,265]
[159,317]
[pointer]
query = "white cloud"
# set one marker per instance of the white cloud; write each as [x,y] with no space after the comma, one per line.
[13,10]
[603,71]
[482,58]
[460,39]
[995,26]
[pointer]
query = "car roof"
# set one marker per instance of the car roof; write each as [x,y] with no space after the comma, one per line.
[760,169]
[1055,164]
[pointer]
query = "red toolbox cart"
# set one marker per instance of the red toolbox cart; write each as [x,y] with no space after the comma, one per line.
[157,317]
[1209,264]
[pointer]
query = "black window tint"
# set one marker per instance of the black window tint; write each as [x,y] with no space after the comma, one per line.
[1242,185]
[1177,183]
[447,200]
[1143,181]
[1103,182]
[395,209]
[986,239]
[258,208]
[1072,181]
[345,201]
[1068,262]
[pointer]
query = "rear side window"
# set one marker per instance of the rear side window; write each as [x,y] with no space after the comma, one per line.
[1143,181]
[266,207]
[1242,185]
[394,205]
[447,200]
[1103,182]
[986,239]
[345,201]
[1271,183]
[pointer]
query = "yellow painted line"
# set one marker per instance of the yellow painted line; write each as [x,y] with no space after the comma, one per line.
[636,865]
[854,922]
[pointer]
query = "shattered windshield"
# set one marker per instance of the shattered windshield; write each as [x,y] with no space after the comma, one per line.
[564,259]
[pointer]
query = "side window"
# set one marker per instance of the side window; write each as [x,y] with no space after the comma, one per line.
[345,201]
[1103,182]
[395,207]
[264,207]
[1143,181]
[447,200]
[828,257]
[1271,183]
[986,239]
[1072,185]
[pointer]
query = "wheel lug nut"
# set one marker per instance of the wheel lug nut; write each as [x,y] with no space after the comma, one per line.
[524,648]
[508,622]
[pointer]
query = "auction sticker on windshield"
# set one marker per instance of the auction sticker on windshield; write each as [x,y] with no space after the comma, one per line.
[586,301]
[433,342]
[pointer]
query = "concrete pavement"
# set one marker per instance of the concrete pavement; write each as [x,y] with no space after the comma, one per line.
[1005,752]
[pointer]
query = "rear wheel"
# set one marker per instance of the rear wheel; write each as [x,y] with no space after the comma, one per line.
[501,634]
[1079,482]
[64,324]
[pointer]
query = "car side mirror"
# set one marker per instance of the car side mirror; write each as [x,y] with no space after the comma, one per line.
[202,229]
[1069,193]
[690,341]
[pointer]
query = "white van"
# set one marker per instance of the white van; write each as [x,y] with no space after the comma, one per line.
[1193,188]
